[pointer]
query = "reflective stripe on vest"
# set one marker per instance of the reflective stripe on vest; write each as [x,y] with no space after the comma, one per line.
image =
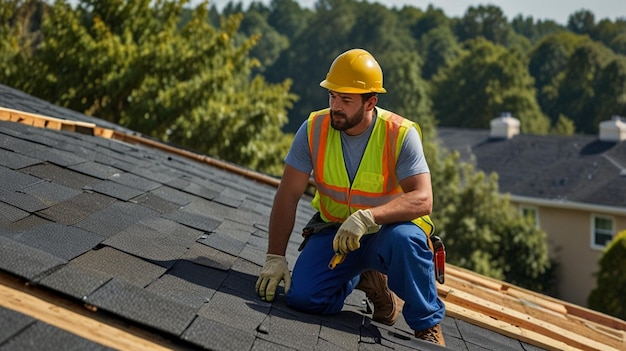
[375,182]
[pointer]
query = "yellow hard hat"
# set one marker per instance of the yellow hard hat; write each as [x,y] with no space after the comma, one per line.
[354,72]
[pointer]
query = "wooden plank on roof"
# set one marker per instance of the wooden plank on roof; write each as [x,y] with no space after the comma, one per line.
[75,319]
[577,319]
[474,278]
[525,321]
[527,336]
[40,121]
[596,317]
[104,133]
[509,301]
[536,299]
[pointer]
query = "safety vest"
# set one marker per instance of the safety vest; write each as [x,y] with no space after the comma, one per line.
[375,182]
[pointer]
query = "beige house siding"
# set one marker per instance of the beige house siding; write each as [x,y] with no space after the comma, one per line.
[569,234]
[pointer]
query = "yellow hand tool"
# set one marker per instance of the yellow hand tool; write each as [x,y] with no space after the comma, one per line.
[337,259]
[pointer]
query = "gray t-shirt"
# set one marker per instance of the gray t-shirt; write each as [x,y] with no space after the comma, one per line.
[411,160]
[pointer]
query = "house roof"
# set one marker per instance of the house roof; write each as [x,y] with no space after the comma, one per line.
[565,169]
[110,240]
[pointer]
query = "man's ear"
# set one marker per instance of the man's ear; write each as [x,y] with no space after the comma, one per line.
[371,103]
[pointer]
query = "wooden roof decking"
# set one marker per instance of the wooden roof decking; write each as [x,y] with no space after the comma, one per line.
[525,315]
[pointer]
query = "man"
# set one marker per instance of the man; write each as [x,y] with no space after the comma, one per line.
[373,197]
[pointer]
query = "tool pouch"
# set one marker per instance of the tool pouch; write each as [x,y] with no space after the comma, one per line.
[315,225]
[439,258]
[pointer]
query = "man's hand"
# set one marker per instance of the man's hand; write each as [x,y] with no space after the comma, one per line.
[274,270]
[353,228]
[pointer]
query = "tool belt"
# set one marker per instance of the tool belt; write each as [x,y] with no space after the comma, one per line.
[316,224]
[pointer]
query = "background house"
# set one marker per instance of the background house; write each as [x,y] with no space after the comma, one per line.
[573,186]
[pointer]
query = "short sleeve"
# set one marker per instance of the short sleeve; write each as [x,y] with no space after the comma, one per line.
[299,156]
[411,160]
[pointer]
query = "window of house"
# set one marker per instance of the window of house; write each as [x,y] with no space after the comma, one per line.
[602,231]
[532,214]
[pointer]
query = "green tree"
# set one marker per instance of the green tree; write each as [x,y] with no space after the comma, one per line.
[609,295]
[535,30]
[19,34]
[484,82]
[610,87]
[9,47]
[130,63]
[327,33]
[581,22]
[270,43]
[379,29]
[612,34]
[439,48]
[408,91]
[563,126]
[578,89]
[424,22]
[288,18]
[547,60]
[488,22]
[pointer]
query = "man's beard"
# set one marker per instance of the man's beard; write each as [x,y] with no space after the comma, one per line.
[345,122]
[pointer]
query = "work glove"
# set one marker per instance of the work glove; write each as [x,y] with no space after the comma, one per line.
[352,229]
[274,270]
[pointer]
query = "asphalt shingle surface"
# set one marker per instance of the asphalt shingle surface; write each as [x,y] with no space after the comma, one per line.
[164,243]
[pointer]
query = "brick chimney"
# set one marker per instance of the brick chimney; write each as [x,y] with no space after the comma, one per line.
[504,127]
[614,130]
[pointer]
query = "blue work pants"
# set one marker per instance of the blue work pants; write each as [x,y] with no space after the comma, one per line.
[398,250]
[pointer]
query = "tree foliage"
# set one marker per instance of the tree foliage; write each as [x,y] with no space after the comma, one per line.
[129,62]
[19,22]
[535,30]
[439,48]
[9,48]
[611,34]
[408,91]
[547,60]
[579,87]
[288,18]
[270,43]
[581,22]
[506,86]
[490,23]
[609,296]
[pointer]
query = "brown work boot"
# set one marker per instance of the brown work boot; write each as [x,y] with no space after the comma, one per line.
[432,334]
[387,305]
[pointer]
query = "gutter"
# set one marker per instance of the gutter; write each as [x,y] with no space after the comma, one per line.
[570,205]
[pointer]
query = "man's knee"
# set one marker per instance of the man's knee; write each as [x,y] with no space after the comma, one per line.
[405,238]
[311,301]
[303,301]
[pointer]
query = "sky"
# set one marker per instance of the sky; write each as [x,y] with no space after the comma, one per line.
[556,10]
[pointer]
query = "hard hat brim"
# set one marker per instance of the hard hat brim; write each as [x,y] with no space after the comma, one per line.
[349,90]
